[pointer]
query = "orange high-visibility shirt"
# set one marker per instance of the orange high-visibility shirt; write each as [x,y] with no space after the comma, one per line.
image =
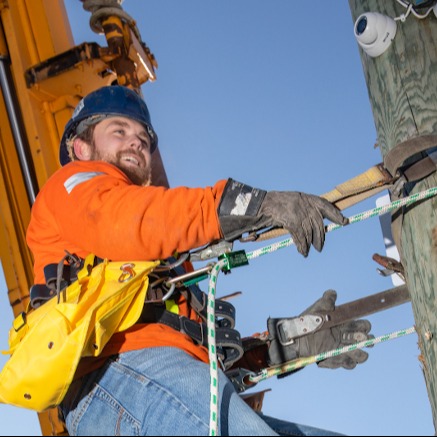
[92,207]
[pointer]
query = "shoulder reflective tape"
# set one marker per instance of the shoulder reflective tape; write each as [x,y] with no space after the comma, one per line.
[78,178]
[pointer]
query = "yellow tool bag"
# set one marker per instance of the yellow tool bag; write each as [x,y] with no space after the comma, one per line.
[47,343]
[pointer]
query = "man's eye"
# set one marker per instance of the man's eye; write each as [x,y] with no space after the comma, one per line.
[145,144]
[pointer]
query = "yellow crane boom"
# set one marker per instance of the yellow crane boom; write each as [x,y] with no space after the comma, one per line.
[42,78]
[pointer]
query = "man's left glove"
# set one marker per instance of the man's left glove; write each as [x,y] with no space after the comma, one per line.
[321,340]
[245,209]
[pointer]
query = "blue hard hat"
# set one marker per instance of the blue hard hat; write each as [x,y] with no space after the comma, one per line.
[113,100]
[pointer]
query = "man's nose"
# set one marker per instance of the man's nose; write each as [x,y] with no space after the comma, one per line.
[135,141]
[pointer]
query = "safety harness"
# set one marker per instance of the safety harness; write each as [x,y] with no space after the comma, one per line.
[160,306]
[229,344]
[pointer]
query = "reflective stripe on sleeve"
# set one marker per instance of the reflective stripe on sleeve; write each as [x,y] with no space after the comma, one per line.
[78,178]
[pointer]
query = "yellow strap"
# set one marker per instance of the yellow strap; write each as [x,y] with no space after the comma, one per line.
[360,187]
[86,270]
[19,321]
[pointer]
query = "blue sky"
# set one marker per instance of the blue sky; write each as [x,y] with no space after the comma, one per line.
[273,94]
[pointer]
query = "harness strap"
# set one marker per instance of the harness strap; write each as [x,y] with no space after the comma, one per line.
[224,311]
[58,277]
[39,294]
[228,340]
[68,275]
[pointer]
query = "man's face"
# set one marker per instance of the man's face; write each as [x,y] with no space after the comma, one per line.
[124,143]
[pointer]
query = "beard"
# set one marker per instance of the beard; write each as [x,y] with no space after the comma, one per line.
[139,175]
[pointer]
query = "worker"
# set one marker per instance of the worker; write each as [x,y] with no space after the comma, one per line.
[153,378]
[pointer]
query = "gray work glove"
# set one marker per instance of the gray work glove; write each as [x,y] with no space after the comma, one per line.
[245,209]
[322,340]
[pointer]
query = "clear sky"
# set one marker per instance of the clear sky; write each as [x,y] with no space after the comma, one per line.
[273,94]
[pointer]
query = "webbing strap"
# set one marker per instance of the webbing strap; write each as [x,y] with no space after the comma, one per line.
[396,161]
[224,311]
[366,184]
[228,340]
[397,156]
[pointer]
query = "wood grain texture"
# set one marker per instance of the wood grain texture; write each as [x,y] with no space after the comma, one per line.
[402,87]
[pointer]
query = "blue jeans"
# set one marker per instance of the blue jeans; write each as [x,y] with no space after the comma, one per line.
[162,391]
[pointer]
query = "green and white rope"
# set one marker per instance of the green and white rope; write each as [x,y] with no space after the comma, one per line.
[302,362]
[212,352]
[266,373]
[380,210]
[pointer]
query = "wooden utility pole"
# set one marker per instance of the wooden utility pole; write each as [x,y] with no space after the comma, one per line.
[402,86]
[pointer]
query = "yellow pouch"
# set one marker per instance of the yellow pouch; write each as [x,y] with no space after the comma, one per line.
[47,343]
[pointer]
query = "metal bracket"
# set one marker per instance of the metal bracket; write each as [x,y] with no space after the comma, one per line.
[292,328]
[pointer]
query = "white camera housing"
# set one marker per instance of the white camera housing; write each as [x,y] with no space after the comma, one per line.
[374,32]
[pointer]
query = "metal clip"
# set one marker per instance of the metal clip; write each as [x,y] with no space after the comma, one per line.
[165,290]
[212,251]
[398,187]
[240,379]
[127,272]
[249,238]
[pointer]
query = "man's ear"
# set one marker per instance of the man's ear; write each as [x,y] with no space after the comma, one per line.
[82,149]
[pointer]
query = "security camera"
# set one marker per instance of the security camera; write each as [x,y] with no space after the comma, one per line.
[374,32]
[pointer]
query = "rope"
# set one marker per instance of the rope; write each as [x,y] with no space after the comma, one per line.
[266,373]
[213,365]
[302,362]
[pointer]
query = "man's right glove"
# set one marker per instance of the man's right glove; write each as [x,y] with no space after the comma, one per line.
[321,340]
[245,209]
